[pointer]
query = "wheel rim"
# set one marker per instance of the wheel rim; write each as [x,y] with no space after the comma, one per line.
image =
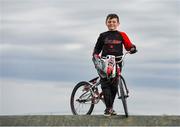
[82,101]
[123,98]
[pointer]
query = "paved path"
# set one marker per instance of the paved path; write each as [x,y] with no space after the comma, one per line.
[93,120]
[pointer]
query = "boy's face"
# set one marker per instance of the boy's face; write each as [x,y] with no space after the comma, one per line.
[112,24]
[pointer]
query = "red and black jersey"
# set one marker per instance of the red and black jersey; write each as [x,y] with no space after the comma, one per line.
[111,43]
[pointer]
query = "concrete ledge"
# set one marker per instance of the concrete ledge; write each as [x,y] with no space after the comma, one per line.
[88,120]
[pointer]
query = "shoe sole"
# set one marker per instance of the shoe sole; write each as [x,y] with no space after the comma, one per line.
[107,115]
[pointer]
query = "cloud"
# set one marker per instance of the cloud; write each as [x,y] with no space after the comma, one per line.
[40,50]
[24,97]
[58,37]
[46,48]
[20,97]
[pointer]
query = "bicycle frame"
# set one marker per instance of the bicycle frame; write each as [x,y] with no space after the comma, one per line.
[95,82]
[89,94]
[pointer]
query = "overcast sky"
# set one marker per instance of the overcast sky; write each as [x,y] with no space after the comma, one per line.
[51,41]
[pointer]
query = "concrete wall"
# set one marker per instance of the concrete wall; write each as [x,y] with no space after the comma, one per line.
[94,120]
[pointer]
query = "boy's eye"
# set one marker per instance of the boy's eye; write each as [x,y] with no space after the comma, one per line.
[111,21]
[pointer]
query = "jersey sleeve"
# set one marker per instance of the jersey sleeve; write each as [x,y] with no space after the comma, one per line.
[99,45]
[126,42]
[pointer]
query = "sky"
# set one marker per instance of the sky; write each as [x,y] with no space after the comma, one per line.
[46,48]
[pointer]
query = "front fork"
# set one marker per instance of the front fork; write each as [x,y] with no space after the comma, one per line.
[119,81]
[118,89]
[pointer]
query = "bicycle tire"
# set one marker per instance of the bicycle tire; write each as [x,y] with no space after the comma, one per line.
[72,100]
[122,84]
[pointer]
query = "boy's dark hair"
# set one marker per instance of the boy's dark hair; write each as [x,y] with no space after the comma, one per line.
[111,16]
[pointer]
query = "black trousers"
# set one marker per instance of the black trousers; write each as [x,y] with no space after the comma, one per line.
[109,88]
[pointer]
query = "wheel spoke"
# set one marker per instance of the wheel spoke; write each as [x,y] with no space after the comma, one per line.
[81,99]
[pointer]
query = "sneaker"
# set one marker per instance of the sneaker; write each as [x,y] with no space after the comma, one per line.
[107,112]
[113,112]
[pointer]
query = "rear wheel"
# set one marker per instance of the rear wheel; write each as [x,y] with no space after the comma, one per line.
[123,94]
[81,99]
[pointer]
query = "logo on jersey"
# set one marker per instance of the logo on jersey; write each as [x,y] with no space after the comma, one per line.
[109,41]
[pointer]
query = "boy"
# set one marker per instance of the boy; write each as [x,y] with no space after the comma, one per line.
[111,43]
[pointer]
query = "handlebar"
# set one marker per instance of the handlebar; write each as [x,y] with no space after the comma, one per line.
[122,57]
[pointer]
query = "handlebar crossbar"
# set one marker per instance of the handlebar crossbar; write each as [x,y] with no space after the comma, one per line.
[121,57]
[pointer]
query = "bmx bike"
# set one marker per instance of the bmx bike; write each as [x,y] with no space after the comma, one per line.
[86,93]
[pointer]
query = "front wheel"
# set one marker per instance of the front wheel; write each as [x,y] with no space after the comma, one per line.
[123,94]
[82,99]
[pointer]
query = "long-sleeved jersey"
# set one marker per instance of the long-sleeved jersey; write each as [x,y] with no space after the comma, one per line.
[111,43]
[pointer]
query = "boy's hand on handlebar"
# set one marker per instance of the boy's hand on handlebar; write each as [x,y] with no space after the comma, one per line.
[133,50]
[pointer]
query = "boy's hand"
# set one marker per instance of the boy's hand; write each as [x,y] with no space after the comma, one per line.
[133,50]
